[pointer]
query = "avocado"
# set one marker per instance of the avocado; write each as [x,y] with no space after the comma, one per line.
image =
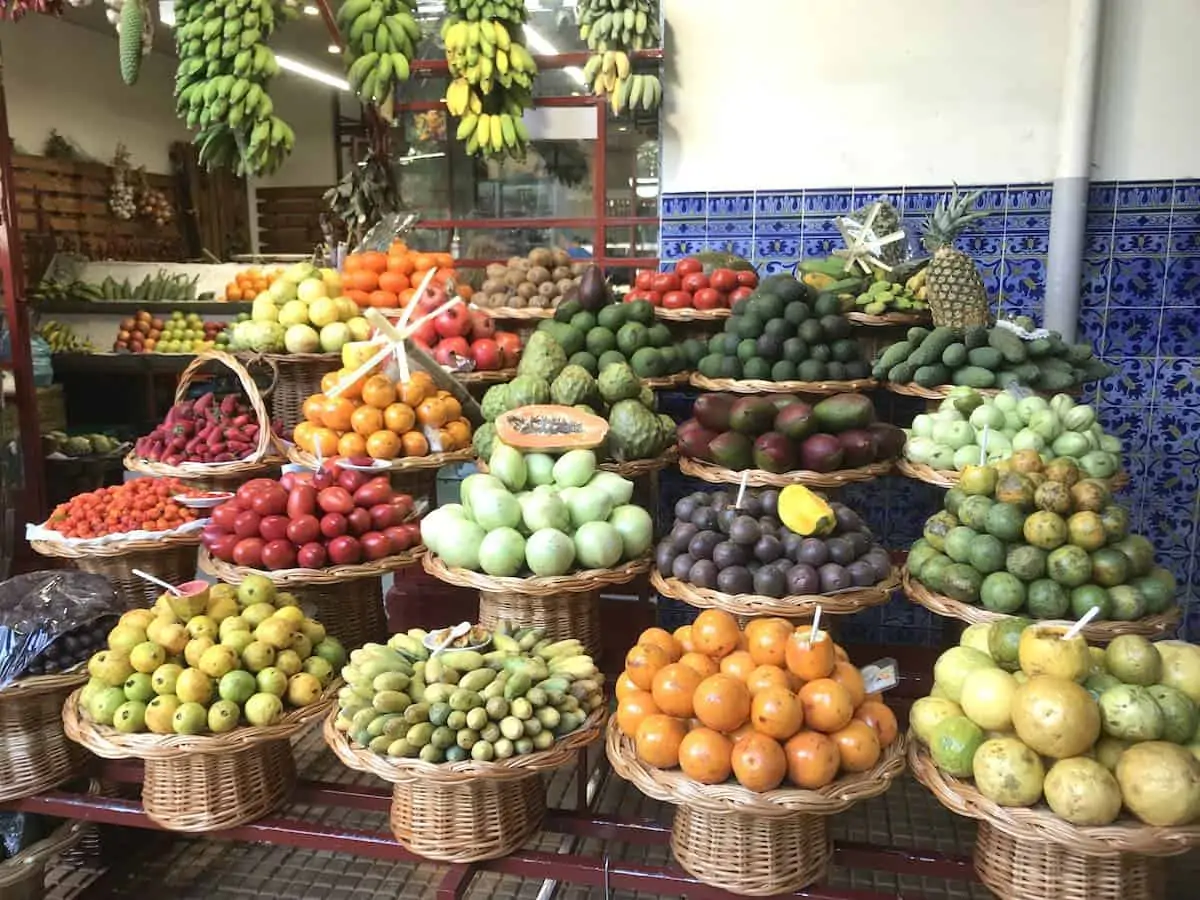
[786,287]
[794,350]
[779,328]
[693,351]
[766,306]
[614,316]
[731,367]
[841,412]
[632,337]
[571,339]
[710,366]
[600,340]
[811,332]
[567,311]
[857,369]
[641,311]
[660,335]
[740,307]
[746,349]
[750,326]
[820,352]
[827,305]
[647,362]
[844,349]
[585,360]
[784,370]
[835,370]
[674,359]
[811,370]
[769,347]
[733,323]
[836,327]
[582,321]
[716,344]
[795,313]
[757,368]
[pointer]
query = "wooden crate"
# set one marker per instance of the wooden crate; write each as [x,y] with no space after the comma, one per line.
[289,218]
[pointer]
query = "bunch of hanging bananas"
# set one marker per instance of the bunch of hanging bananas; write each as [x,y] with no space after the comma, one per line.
[220,85]
[491,75]
[613,28]
[61,338]
[381,38]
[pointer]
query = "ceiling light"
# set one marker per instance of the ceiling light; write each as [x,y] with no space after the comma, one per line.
[313,74]
[540,45]
[333,48]
[310,10]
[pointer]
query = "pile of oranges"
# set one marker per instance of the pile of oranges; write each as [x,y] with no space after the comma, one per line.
[380,418]
[765,705]
[249,283]
[389,280]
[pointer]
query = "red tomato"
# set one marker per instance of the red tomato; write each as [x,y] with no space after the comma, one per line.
[708,298]
[740,292]
[655,297]
[248,552]
[335,499]
[344,550]
[304,529]
[273,528]
[351,479]
[643,279]
[665,281]
[399,538]
[270,501]
[358,521]
[222,547]
[279,555]
[694,281]
[312,556]
[746,278]
[333,525]
[676,300]
[688,265]
[246,524]
[723,279]
[376,545]
[634,295]
[225,515]
[302,500]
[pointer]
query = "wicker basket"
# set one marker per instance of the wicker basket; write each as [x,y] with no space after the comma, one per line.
[406,464]
[205,782]
[715,474]
[531,313]
[171,557]
[489,376]
[37,755]
[948,478]
[347,600]
[218,476]
[297,377]
[635,468]
[757,386]
[888,320]
[468,811]
[1157,627]
[691,315]
[22,876]
[942,391]
[666,382]
[843,603]
[1032,854]
[746,842]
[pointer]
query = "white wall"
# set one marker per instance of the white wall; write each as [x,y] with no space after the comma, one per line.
[807,93]
[308,107]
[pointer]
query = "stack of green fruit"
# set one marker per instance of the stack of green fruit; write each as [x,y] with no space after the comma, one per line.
[613,29]
[79,445]
[519,698]
[1032,715]
[983,357]
[884,296]
[619,333]
[210,660]
[784,331]
[1023,535]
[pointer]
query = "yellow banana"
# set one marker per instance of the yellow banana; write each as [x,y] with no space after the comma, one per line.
[483,129]
[497,133]
[466,127]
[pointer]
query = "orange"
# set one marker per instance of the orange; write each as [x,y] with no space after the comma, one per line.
[312,407]
[643,661]
[705,665]
[776,713]
[812,760]
[432,412]
[715,633]
[353,389]
[414,444]
[764,677]
[393,282]
[417,388]
[657,740]
[378,391]
[328,382]
[858,746]
[840,654]
[704,756]
[758,762]
[452,407]
[359,297]
[625,686]
[767,639]
[423,261]
[662,638]
[383,445]
[827,706]
[363,281]
[375,261]
[738,733]
[324,442]
[722,702]
[851,679]
[880,717]
[352,263]
[443,260]
[302,434]
[633,709]
[683,634]
[673,687]
[460,432]
[399,417]
[351,443]
[337,413]
[366,420]
[738,664]
[809,659]
[401,264]
[383,299]
[445,440]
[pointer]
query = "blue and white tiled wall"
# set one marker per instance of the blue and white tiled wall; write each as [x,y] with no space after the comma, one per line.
[1139,306]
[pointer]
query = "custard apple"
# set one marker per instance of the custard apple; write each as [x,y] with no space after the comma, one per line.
[617,382]
[543,357]
[633,432]
[573,385]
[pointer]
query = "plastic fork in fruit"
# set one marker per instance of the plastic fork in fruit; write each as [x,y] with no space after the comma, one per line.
[153,580]
[456,632]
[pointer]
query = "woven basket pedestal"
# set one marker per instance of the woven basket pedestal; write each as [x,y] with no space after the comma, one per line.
[478,819]
[213,791]
[573,614]
[749,854]
[298,378]
[174,563]
[352,611]
[37,754]
[1026,869]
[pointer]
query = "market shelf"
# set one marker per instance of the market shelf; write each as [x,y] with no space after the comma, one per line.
[63,307]
[120,363]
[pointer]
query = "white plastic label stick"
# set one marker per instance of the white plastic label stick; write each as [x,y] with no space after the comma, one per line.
[1083,620]
[737,504]
[983,442]
[816,626]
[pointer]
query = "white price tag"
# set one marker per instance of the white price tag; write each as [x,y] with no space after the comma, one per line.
[880,675]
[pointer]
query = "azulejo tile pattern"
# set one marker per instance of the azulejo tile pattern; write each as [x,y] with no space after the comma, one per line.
[1139,306]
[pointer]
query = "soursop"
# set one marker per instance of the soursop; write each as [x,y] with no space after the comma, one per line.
[543,357]
[573,385]
[495,402]
[647,399]
[634,432]
[617,382]
[484,439]
[528,390]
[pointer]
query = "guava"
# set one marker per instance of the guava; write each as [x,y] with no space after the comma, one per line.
[139,686]
[193,686]
[237,686]
[190,718]
[103,705]
[1007,772]
[589,504]
[496,509]
[146,657]
[223,716]
[636,529]
[332,651]
[255,589]
[164,678]
[263,709]
[303,689]
[507,464]
[598,545]
[1082,791]
[160,714]
[549,552]
[272,680]
[502,552]
[288,662]
[130,717]
[574,468]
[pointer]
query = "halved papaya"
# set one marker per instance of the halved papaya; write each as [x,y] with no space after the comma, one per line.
[549,428]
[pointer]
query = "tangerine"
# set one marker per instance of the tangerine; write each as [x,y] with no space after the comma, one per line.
[673,687]
[767,640]
[807,659]
[827,706]
[432,412]
[643,661]
[399,417]
[460,432]
[451,406]
[352,389]
[715,633]
[392,281]
[848,676]
[764,677]
[374,261]
[758,762]
[414,444]
[813,760]
[633,709]
[663,638]
[705,665]
[337,413]
[302,435]
[738,733]
[624,686]
[383,444]
[383,299]
[839,653]
[776,713]
[722,702]
[880,717]
[312,408]
[366,420]
[705,756]
[378,391]
[657,740]
[352,444]
[739,664]
[324,442]
[683,634]
[417,388]
[858,746]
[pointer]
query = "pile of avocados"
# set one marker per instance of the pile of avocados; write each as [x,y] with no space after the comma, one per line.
[620,333]
[785,331]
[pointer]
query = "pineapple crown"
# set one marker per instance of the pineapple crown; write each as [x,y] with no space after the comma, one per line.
[951,215]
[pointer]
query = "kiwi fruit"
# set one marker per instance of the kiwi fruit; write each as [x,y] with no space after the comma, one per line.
[561,272]
[493,285]
[564,285]
[561,257]
[548,289]
[501,299]
[540,302]
[496,270]
[527,289]
[541,258]
[538,274]
[514,278]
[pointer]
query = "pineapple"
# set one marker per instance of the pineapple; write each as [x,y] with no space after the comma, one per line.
[953,287]
[886,221]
